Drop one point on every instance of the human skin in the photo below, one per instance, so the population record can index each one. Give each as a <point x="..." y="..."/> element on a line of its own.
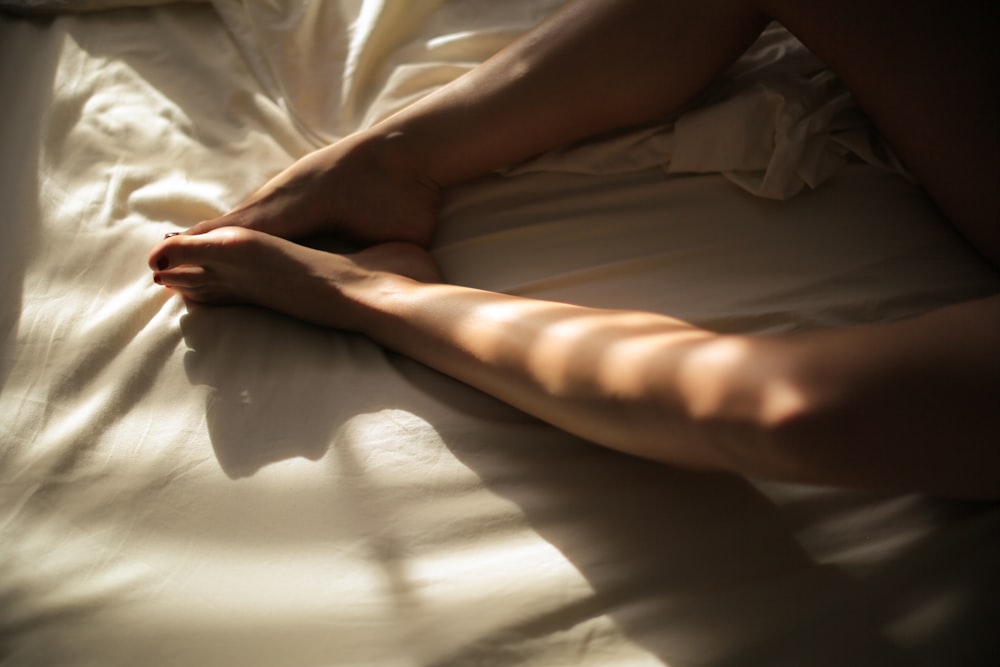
<point x="911" y="405"/>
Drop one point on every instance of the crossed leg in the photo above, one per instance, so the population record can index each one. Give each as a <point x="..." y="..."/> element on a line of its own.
<point x="924" y="71"/>
<point x="232" y="265"/>
<point x="928" y="75"/>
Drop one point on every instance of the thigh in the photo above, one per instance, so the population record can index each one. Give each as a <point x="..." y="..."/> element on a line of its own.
<point x="927" y="75"/>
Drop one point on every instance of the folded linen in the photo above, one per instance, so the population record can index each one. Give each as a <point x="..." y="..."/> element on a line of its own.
<point x="776" y="123"/>
<point x="61" y="6"/>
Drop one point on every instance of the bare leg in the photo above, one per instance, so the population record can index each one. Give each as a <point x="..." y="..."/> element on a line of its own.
<point x="907" y="405"/>
<point x="925" y="71"/>
<point x="362" y="188"/>
<point x="232" y="265"/>
<point x="593" y="66"/>
<point x="928" y="74"/>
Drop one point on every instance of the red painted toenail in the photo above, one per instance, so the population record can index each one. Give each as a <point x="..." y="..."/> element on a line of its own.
<point x="156" y="279"/>
<point x="169" y="234"/>
<point x="162" y="263"/>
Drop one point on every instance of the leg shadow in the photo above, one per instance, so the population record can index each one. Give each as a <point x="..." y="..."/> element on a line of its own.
<point x="696" y="568"/>
<point x="268" y="400"/>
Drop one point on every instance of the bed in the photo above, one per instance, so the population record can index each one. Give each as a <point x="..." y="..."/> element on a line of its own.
<point x="184" y="485"/>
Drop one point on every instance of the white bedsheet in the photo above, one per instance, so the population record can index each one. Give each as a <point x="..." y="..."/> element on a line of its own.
<point x="230" y="487"/>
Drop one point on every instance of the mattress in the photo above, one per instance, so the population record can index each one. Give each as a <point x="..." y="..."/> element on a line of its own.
<point x="187" y="485"/>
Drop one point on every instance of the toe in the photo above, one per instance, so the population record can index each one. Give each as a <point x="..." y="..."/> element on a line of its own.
<point x="197" y="249"/>
<point x="166" y="254"/>
<point x="182" y="276"/>
<point x="157" y="259"/>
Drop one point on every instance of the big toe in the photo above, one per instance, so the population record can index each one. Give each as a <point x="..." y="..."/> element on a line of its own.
<point x="194" y="248"/>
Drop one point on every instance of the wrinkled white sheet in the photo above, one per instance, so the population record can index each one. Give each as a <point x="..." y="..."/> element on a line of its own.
<point x="230" y="487"/>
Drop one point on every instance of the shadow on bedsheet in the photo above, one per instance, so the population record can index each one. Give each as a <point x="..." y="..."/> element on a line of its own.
<point x="21" y="126"/>
<point x="267" y="401"/>
<point x="706" y="569"/>
<point x="695" y="568"/>
<point x="689" y="566"/>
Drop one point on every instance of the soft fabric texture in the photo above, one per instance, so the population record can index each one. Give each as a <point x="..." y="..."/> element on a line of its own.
<point x="62" y="6"/>
<point x="199" y="486"/>
<point x="775" y="123"/>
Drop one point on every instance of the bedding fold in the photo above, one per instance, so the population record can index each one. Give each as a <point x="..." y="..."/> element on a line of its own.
<point x="226" y="486"/>
<point x="776" y="123"/>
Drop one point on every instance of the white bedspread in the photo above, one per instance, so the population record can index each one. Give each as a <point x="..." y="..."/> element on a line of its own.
<point x="230" y="487"/>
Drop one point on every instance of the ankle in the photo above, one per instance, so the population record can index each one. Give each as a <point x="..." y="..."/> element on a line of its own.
<point x="396" y="153"/>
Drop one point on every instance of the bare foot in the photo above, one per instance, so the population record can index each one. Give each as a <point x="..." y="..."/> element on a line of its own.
<point x="361" y="188"/>
<point x="238" y="265"/>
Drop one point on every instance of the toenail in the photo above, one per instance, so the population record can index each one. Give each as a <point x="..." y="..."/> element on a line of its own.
<point x="162" y="263"/>
<point x="156" y="279"/>
<point x="169" y="234"/>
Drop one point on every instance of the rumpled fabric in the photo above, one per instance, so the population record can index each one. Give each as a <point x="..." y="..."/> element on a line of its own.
<point x="184" y="485"/>
<point x="81" y="6"/>
<point x="776" y="122"/>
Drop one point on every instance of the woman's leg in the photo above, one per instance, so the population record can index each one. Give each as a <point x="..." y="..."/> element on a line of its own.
<point x="593" y="66"/>
<point x="906" y="405"/>
<point x="928" y="74"/>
